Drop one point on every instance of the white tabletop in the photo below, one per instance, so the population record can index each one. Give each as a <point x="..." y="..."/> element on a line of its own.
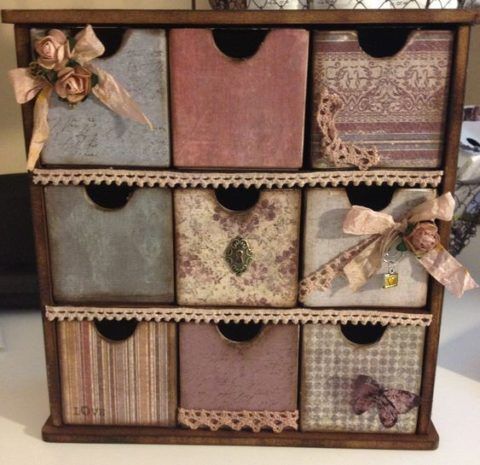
<point x="456" y="414"/>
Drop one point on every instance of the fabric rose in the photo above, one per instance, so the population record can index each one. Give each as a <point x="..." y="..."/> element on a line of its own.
<point x="73" y="84"/>
<point x="423" y="238"/>
<point x="52" y="49"/>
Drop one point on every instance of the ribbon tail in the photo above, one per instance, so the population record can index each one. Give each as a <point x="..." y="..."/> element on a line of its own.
<point x="115" y="97"/>
<point x="25" y="86"/>
<point x="448" y="271"/>
<point x="40" y="127"/>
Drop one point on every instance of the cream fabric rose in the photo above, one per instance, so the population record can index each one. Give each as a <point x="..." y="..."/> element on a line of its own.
<point x="423" y="238"/>
<point x="73" y="84"/>
<point x="52" y="49"/>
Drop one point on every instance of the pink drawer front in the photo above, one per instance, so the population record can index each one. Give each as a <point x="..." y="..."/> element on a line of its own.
<point x="238" y="113"/>
<point x="218" y="373"/>
<point x="396" y="104"/>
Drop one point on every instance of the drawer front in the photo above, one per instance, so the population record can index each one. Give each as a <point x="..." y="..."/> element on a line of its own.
<point x="91" y="134"/>
<point x="259" y="374"/>
<point x="120" y="254"/>
<point x="205" y="231"/>
<point x="251" y="5"/>
<point x="396" y="104"/>
<point x="118" y="382"/>
<point x="231" y="113"/>
<point x="324" y="240"/>
<point x="332" y="363"/>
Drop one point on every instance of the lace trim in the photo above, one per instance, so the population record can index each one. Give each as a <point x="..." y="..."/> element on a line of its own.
<point x="237" y="315"/>
<point x="245" y="419"/>
<point x="235" y="179"/>
<point x="339" y="153"/>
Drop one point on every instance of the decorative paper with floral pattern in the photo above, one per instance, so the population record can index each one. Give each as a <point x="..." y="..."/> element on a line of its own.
<point x="204" y="229"/>
<point x="396" y="104"/>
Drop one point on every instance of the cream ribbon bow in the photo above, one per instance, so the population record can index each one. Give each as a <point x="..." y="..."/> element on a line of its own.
<point x="27" y="85"/>
<point x="362" y="261"/>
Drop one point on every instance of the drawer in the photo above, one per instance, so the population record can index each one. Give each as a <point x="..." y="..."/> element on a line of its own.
<point x="237" y="367"/>
<point x="110" y="243"/>
<point x="118" y="372"/>
<point x="237" y="246"/>
<point x="335" y="357"/>
<point x="324" y="240"/>
<point x="91" y="134"/>
<point x="238" y="97"/>
<point x="393" y="94"/>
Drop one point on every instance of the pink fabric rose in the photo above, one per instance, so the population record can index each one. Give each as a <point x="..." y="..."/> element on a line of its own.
<point x="52" y="49"/>
<point x="73" y="84"/>
<point x="423" y="238"/>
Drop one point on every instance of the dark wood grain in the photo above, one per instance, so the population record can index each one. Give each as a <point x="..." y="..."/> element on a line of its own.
<point x="452" y="136"/>
<point x="150" y="435"/>
<point x="205" y="18"/>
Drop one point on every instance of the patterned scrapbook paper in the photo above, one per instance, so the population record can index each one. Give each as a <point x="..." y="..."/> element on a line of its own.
<point x="397" y="104"/>
<point x="130" y="382"/>
<point x="331" y="364"/>
<point x="204" y="230"/>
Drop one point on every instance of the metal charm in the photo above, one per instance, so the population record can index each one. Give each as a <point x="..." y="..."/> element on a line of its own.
<point x="238" y="255"/>
<point x="390" y="279"/>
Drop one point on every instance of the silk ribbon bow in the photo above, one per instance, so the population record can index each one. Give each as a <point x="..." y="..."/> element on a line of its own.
<point x="27" y="84"/>
<point x="390" y="403"/>
<point x="362" y="261"/>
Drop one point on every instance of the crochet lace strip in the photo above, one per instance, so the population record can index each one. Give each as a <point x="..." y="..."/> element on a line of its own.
<point x="168" y="178"/>
<point x="238" y="420"/>
<point x="339" y="153"/>
<point x="237" y="315"/>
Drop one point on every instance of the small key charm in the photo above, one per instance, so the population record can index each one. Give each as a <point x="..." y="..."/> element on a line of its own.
<point x="390" y="278"/>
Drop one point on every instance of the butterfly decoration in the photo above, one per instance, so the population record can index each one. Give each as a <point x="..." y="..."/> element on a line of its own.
<point x="390" y="403"/>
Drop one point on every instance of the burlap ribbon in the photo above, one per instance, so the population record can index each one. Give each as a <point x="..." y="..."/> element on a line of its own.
<point x="418" y="232"/>
<point x="27" y="84"/>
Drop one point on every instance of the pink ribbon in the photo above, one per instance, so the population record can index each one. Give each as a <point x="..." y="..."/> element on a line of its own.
<point x="362" y="261"/>
<point x="28" y="84"/>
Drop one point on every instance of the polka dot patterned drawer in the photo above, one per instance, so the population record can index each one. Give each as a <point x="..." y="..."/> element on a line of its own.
<point x="385" y="90"/>
<point x="118" y="372"/>
<point x="361" y="378"/>
<point x="238" y="97"/>
<point x="237" y="368"/>
<point x="237" y="247"/>
<point x="91" y="134"/>
<point x="110" y="243"/>
<point x="324" y="240"/>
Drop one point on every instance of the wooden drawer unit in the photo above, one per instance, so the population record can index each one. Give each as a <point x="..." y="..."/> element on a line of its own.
<point x="118" y="372"/>
<point x="210" y="238"/>
<point x="119" y="249"/>
<point x="335" y="357"/>
<point x="229" y="112"/>
<point x="92" y="134"/>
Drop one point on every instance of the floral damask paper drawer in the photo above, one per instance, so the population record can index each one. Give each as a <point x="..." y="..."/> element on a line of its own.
<point x="110" y="243"/>
<point x="92" y="134"/>
<point x="241" y="376"/>
<point x="118" y="372"/>
<point x="361" y="378"/>
<point x="387" y="111"/>
<point x="245" y="258"/>
<point x="325" y="240"/>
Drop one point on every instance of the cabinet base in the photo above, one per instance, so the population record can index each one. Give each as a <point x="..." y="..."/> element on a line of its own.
<point x="152" y="435"/>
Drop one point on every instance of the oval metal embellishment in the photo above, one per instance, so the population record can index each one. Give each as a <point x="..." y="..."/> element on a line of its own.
<point x="238" y="255"/>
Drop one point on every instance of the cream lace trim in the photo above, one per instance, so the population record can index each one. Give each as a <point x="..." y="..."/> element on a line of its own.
<point x="238" y="420"/>
<point x="235" y="179"/>
<point x="236" y="315"/>
<point x="339" y="153"/>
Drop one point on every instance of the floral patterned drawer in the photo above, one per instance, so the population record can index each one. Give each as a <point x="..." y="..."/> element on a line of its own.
<point x="232" y="113"/>
<point x="118" y="372"/>
<point x="92" y="134"/>
<point x="239" y="375"/>
<point x="393" y="104"/>
<point x="361" y="378"/>
<point x="110" y="243"/>
<point x="324" y="240"/>
<point x="209" y="238"/>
